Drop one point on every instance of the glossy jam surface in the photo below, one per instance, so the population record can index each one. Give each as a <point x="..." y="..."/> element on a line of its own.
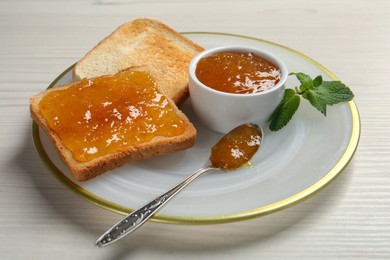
<point x="237" y="147"/>
<point x="104" y="115"/>
<point x="237" y="72"/>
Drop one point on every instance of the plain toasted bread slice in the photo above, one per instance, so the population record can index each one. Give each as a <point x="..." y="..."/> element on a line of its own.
<point x="149" y="43"/>
<point x="85" y="170"/>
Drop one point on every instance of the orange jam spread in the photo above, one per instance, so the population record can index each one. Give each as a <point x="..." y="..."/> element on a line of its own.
<point x="237" y="72"/>
<point x="104" y="115"/>
<point x="237" y="147"/>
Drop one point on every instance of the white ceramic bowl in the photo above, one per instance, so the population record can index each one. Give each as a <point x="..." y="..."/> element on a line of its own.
<point x="222" y="111"/>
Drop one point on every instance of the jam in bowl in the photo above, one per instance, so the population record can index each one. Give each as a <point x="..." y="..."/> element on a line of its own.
<point x="230" y="86"/>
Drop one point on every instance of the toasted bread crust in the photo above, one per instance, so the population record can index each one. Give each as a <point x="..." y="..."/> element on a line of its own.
<point x="163" y="52"/>
<point x="83" y="171"/>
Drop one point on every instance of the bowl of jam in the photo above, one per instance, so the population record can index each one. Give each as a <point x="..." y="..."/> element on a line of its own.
<point x="234" y="85"/>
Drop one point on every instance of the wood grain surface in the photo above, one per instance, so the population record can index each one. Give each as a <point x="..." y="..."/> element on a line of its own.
<point x="350" y="219"/>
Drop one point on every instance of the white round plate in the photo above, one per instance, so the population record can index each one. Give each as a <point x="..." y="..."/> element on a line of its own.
<point x="293" y="163"/>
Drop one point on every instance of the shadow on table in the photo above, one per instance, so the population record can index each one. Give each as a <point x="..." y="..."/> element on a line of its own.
<point x="176" y="238"/>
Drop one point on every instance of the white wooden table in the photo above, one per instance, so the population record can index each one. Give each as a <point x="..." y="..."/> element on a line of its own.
<point x="350" y="219"/>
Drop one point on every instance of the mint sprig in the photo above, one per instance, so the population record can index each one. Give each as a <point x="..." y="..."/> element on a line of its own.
<point x="318" y="92"/>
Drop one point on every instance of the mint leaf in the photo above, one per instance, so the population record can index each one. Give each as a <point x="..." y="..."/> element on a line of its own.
<point x="317" y="81"/>
<point x="315" y="100"/>
<point x="338" y="91"/>
<point x="328" y="93"/>
<point x="305" y="80"/>
<point x="285" y="110"/>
